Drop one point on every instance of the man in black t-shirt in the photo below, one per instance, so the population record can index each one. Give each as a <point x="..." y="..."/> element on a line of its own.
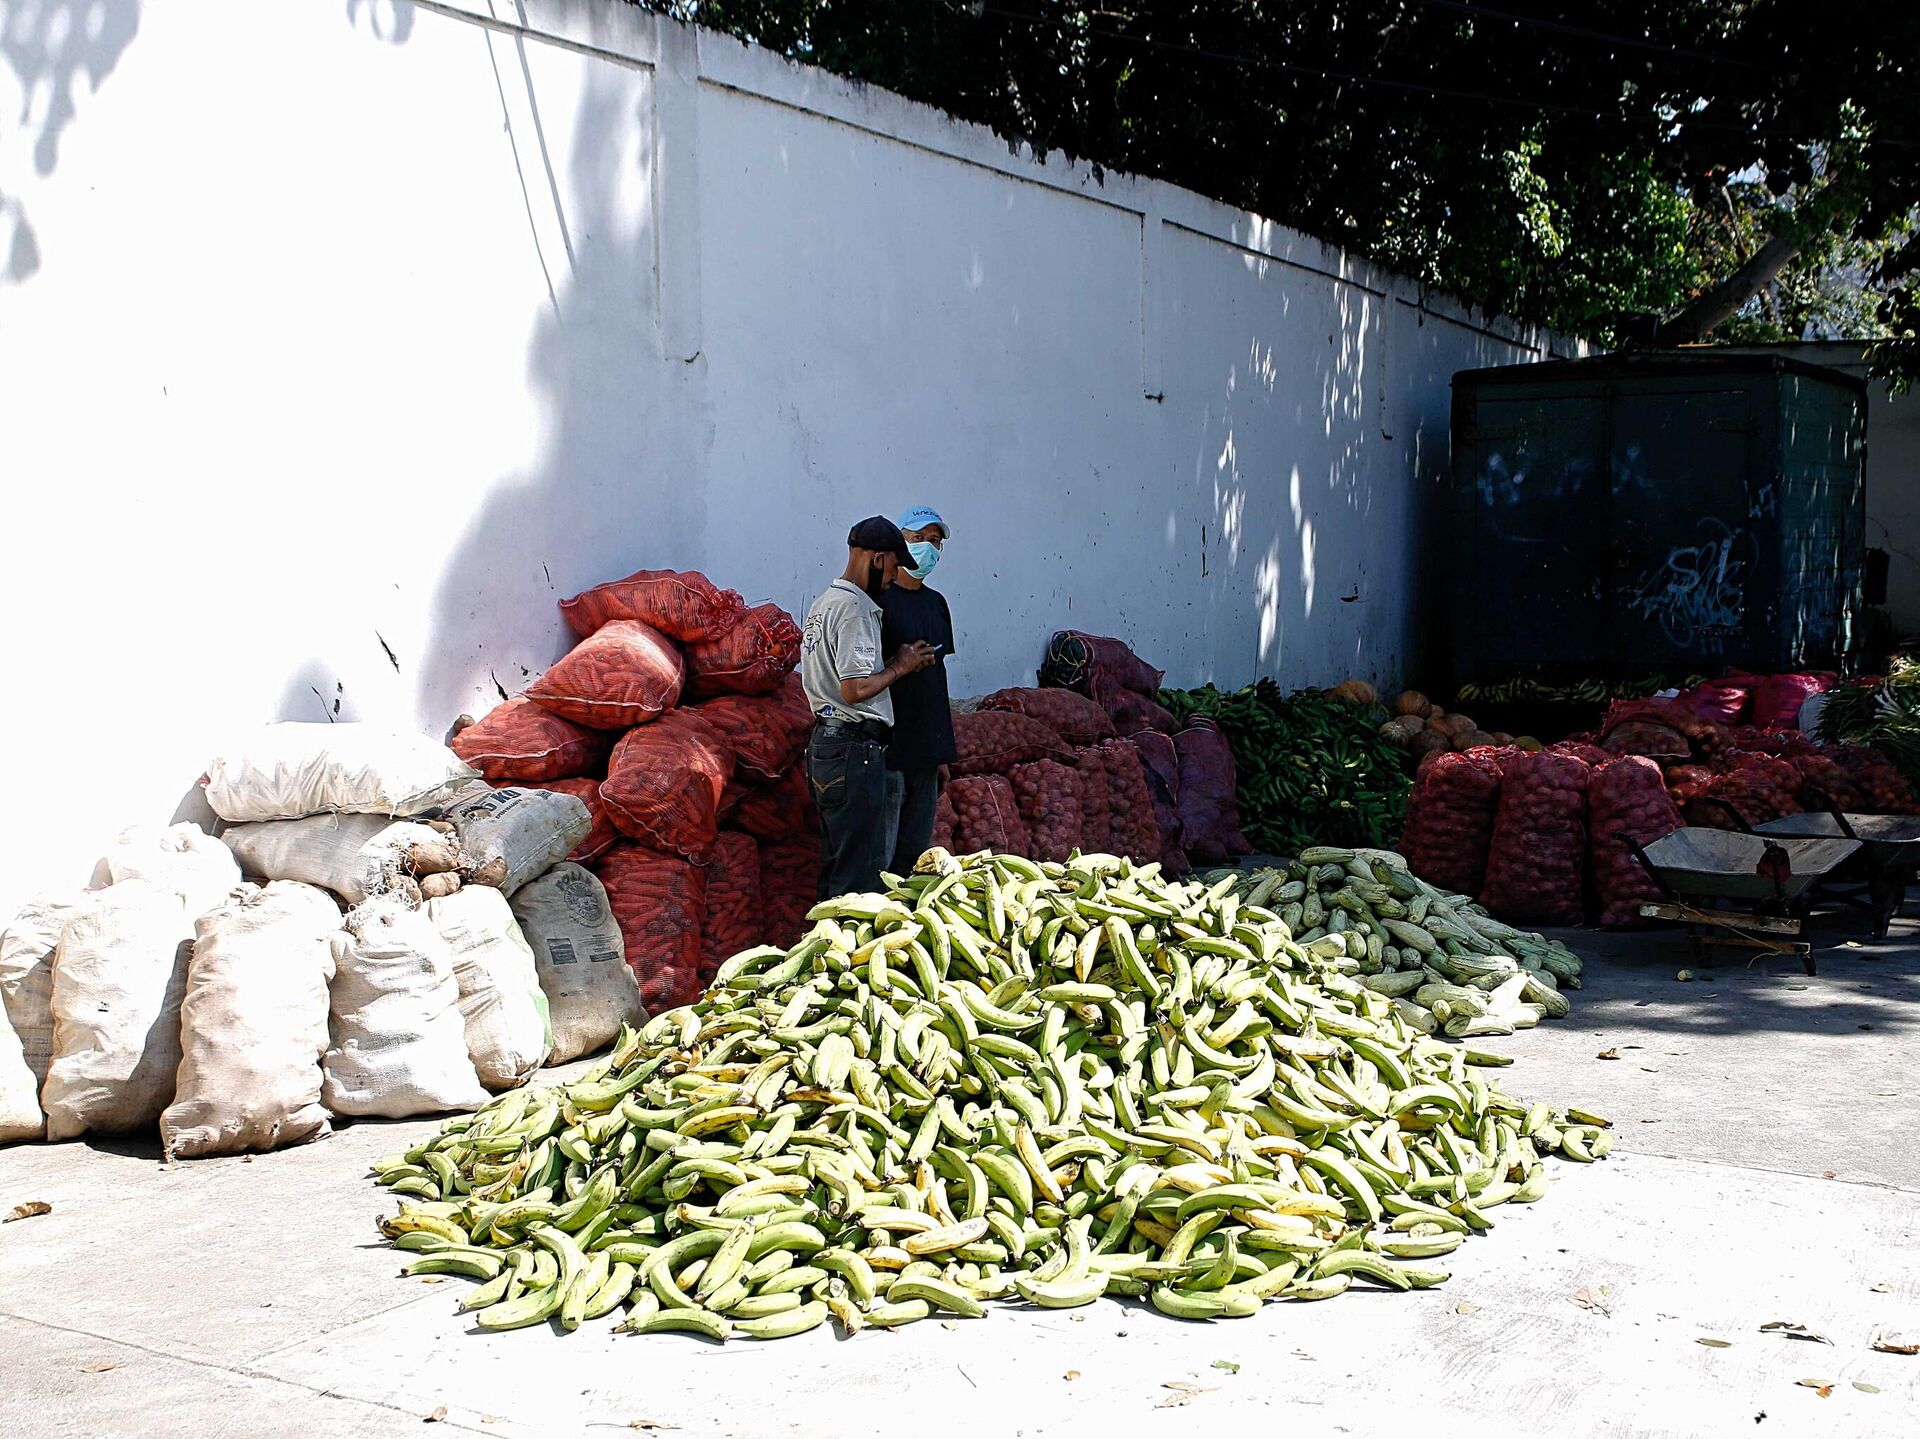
<point x="922" y="722"/>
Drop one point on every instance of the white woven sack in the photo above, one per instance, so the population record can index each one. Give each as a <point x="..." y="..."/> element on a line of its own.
<point x="397" y="1044"/>
<point x="532" y="830"/>
<point x="253" y="1024"/>
<point x="581" y="959"/>
<point x="117" y="981"/>
<point x="27" y="947"/>
<point x="20" y="1116"/>
<point x="180" y="857"/>
<point x="355" y="855"/>
<point x="501" y="1003"/>
<point x="289" y="771"/>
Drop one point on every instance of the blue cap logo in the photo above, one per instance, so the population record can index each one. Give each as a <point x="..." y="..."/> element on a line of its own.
<point x="922" y="516"/>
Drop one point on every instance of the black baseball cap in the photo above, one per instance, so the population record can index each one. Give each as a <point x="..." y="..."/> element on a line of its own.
<point x="879" y="534"/>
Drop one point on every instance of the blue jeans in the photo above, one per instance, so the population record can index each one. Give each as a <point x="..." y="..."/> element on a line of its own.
<point x="848" y="776"/>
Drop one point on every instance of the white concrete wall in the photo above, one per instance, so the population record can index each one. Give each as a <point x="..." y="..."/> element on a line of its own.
<point x="329" y="330"/>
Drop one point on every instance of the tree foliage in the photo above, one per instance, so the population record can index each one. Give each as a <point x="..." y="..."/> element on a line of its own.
<point x="1571" y="161"/>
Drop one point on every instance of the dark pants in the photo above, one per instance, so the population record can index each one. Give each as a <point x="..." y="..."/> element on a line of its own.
<point x="849" y="777"/>
<point x="915" y="792"/>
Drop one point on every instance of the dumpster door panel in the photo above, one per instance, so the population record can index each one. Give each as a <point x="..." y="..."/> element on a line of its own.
<point x="1534" y="511"/>
<point x="1682" y="568"/>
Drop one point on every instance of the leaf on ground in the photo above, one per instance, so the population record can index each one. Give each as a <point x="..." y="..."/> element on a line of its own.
<point x="1794" y="1331"/>
<point x="433" y="1279"/>
<point x="1183" y="1393"/>
<point x="33" y="1208"/>
<point x="1866" y="1388"/>
<point x="1829" y="1174"/>
<point x="1894" y="1344"/>
<point x="1226" y="1364"/>
<point x="650" y="1424"/>
<point x="1071" y="1374"/>
<point x="1608" y="1054"/>
<point x="1881" y="1288"/>
<point x="1466" y="1309"/>
<point x="1715" y="1343"/>
<point x="1599" y="1299"/>
<point x="1822" y="1387"/>
<point x="439" y="1413"/>
<point x="99" y="1368"/>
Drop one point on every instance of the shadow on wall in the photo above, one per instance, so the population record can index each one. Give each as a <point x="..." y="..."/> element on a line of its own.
<point x="53" y="48"/>
<point x="616" y="488"/>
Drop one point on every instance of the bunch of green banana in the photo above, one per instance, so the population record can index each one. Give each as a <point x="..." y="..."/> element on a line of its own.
<point x="1586" y="691"/>
<point x="1307" y="766"/>
<point x="997" y="1080"/>
<point x="1447" y="965"/>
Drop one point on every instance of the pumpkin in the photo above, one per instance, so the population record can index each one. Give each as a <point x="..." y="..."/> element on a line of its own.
<point x="1412" y="702"/>
<point x="1430" y="741"/>
<point x="1357" y="691"/>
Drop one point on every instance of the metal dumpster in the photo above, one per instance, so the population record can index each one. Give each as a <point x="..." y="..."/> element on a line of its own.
<point x="1655" y="512"/>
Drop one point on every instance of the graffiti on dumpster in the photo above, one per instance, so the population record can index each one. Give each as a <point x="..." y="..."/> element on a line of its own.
<point x="1697" y="595"/>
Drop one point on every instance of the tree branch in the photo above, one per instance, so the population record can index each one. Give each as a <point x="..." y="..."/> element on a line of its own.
<point x="1715" y="306"/>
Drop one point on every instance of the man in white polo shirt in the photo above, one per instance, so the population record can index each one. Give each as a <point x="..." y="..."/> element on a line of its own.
<point x="846" y="687"/>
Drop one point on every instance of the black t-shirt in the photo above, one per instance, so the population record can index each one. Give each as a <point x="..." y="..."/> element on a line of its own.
<point x="922" y="722"/>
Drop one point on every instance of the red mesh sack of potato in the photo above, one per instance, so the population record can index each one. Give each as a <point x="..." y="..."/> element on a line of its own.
<point x="1450" y="819"/>
<point x="994" y="741"/>
<point x="1160" y="762"/>
<point x="685" y="606"/>
<point x="1721" y="701"/>
<point x="1048" y="795"/>
<point x="789" y="887"/>
<point x="664" y="784"/>
<point x="986" y="815"/>
<point x="1133" y="712"/>
<point x="623" y="674"/>
<point x="1096" y="821"/>
<point x="944" y="824"/>
<point x="1207" y="803"/>
<point x="749" y="659"/>
<point x="1074" y="717"/>
<point x="657" y="901"/>
<point x="1882" y="788"/>
<point x="520" y="740"/>
<point x="732" y="920"/>
<point x="1536" y="861"/>
<point x="780" y="810"/>
<point x="1133" y="825"/>
<point x="1590" y="754"/>
<point x="1758" y="787"/>
<point x="1627" y="799"/>
<point x="768" y="732"/>
<point x="602" y="837"/>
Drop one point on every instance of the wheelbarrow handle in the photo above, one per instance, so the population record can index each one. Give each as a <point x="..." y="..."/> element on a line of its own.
<point x="1653" y="872"/>
<point x="1828" y="803"/>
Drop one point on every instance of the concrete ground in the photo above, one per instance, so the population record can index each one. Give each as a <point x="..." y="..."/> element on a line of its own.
<point x="1765" y="1171"/>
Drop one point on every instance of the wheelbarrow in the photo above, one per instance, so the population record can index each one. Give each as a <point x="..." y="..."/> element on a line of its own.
<point x="1876" y="879"/>
<point x="1738" y="888"/>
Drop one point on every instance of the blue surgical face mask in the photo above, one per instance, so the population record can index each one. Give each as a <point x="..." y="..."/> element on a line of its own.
<point x="926" y="554"/>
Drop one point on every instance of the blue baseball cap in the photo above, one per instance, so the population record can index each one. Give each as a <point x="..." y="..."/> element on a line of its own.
<point x="922" y="516"/>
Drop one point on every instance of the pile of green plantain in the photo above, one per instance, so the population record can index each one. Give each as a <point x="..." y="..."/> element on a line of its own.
<point x="1447" y="965"/>
<point x="998" y="1080"/>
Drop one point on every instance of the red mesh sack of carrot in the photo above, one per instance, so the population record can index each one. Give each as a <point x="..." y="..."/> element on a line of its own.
<point x="1627" y="799"/>
<point x="733" y="920"/>
<point x="625" y="673"/>
<point x="768" y="732"/>
<point x="1074" y="717"/>
<point x="749" y="659"/>
<point x="658" y="900"/>
<point x="1048" y="795"/>
<point x="780" y="810"/>
<point x="1450" y="819"/>
<point x="520" y="740"/>
<point x="1536" y="862"/>
<point x="994" y="741"/>
<point x="789" y="887"/>
<point x="685" y="605"/>
<point x="664" y="783"/>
